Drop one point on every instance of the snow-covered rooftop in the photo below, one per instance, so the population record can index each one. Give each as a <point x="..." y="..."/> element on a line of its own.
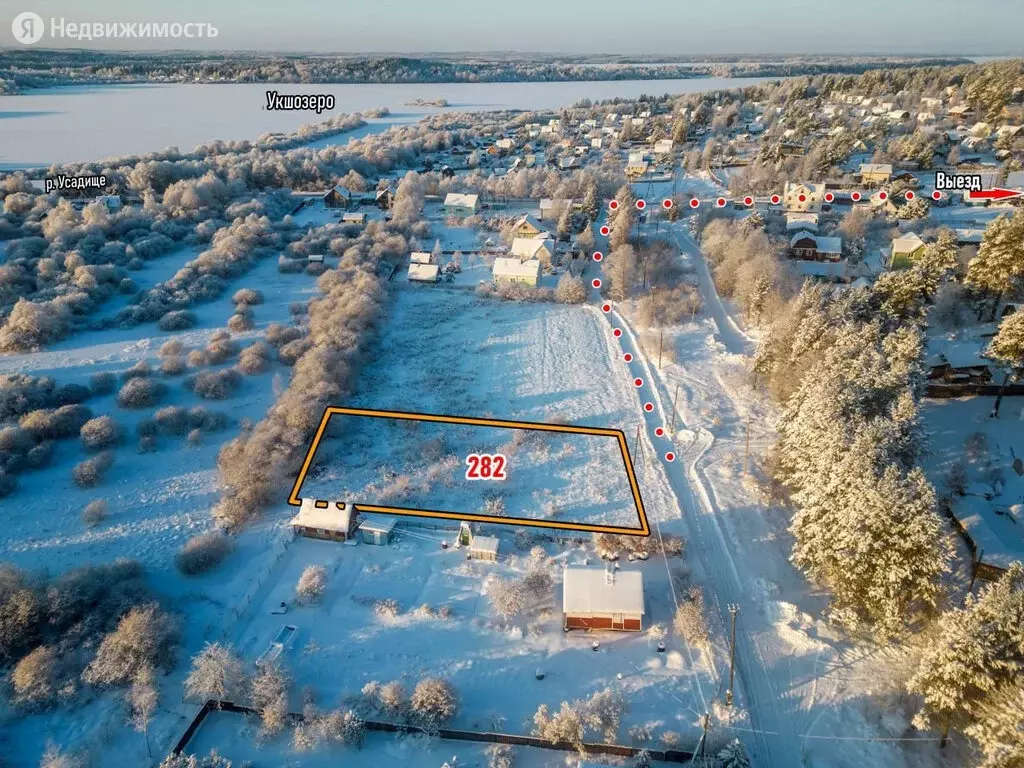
<point x="506" y="266"/>
<point x="588" y="590"/>
<point x="329" y="515"/>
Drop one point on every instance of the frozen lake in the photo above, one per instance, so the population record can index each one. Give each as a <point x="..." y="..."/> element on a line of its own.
<point x="81" y="123"/>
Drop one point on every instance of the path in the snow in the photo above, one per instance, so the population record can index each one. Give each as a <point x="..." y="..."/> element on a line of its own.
<point x="755" y="689"/>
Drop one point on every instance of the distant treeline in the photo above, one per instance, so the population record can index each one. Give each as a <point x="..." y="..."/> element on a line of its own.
<point x="28" y="69"/>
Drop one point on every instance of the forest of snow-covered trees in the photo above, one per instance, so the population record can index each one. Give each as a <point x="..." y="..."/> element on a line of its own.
<point x="26" y="69"/>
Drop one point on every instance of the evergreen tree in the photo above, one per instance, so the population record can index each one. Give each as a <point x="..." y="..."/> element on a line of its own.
<point x="999" y="266"/>
<point x="978" y="651"/>
<point x="1008" y="344"/>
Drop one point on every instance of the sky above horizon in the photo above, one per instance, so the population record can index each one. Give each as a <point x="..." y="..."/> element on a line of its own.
<point x="980" y="27"/>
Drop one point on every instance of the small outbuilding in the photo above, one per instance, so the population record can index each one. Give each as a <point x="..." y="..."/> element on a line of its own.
<point x="320" y="519"/>
<point x="484" y="548"/>
<point x="377" y="530"/>
<point x="599" y="598"/>
<point x="480" y="547"/>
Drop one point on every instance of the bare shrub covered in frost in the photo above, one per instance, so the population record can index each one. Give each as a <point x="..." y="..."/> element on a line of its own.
<point x="89" y="473"/>
<point x="216" y="673"/>
<point x="95" y="512"/>
<point x="202" y="553"/>
<point x="507" y="596"/>
<point x="690" y="620"/>
<point x="101" y="432"/>
<point x="269" y="693"/>
<point x="434" y="701"/>
<point x="145" y="636"/>
<point x="312" y="583"/>
<point x="140" y="393"/>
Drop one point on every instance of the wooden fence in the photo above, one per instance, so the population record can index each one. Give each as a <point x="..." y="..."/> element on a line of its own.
<point x="942" y="391"/>
<point x="485" y="737"/>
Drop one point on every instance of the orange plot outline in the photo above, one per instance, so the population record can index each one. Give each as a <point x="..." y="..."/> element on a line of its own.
<point x="644" y="530"/>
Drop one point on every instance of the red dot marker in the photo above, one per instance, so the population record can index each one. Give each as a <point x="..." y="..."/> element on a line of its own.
<point x="617" y="332"/>
<point x="604" y="231"/>
<point x="775" y="199"/>
<point x="614" y="204"/>
<point x="648" y="407"/>
<point x="855" y="196"/>
<point x="694" y="203"/>
<point x="748" y="200"/>
<point x="598" y="255"/>
<point x="802" y="198"/>
<point x="829" y="197"/>
<point x="627" y="357"/>
<point x="666" y="203"/>
<point x="641" y="204"/>
<point x="936" y="195"/>
<point x="606" y="307"/>
<point x="638" y="382"/>
<point x="659" y="431"/>
<point x="670" y="456"/>
<point x="909" y="195"/>
<point x="720" y="202"/>
<point x="883" y="195"/>
<point x="596" y="282"/>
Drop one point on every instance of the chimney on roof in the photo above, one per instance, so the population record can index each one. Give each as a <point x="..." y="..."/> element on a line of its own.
<point x="609" y="576"/>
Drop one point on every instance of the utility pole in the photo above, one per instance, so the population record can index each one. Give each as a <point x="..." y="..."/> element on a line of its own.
<point x="636" y="440"/>
<point x="733" y="610"/>
<point x="661" y="339"/>
<point x="705" y="722"/>
<point x="674" y="398"/>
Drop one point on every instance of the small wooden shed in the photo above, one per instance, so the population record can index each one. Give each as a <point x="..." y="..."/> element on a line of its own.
<point x="377" y="530"/>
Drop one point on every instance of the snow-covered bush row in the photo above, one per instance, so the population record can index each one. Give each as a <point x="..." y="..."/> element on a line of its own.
<point x="255" y="465"/>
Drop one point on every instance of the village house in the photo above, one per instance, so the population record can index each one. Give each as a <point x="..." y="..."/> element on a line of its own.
<point x="540" y="248"/>
<point x="459" y="204"/>
<point x="960" y="363"/>
<point x="664" y="147"/>
<point x="527" y="226"/>
<point x="904" y="250"/>
<point x="353" y="218"/>
<point x="810" y="247"/>
<point x="385" y="199"/>
<point x="319" y="519"/>
<point x="795" y="221"/>
<point x="803" y="197"/>
<point x="875" y="174"/>
<point x="510" y="269"/>
<point x="337" y="197"/>
<point x="599" y="598"/>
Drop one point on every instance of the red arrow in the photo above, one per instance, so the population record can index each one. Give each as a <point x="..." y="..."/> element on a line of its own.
<point x="993" y="194"/>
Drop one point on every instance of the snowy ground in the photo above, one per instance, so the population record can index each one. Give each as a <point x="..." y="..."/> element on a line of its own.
<point x="993" y="507"/>
<point x="422" y="465"/>
<point x="341" y="643"/>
